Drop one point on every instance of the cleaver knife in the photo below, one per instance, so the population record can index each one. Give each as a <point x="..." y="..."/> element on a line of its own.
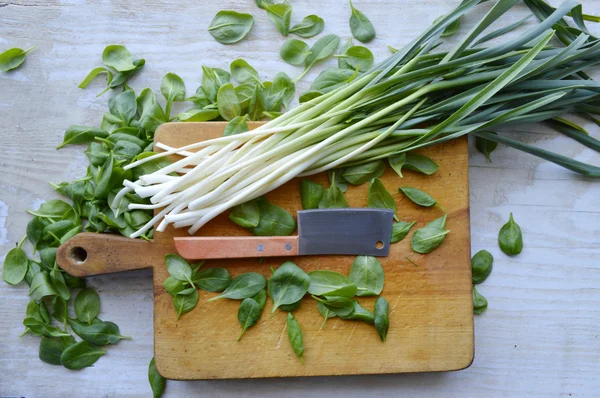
<point x="322" y="231"/>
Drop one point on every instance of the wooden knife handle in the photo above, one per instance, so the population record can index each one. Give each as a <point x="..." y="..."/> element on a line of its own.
<point x="200" y="248"/>
<point x="93" y="254"/>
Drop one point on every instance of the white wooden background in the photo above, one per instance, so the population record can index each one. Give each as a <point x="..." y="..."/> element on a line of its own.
<point x="540" y="335"/>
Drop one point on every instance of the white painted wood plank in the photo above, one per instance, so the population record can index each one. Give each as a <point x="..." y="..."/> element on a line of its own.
<point x="539" y="336"/>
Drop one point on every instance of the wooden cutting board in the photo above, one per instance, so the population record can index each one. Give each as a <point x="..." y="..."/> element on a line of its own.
<point x="431" y="313"/>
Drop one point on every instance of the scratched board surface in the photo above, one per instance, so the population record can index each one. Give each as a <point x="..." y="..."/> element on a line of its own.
<point x="431" y="320"/>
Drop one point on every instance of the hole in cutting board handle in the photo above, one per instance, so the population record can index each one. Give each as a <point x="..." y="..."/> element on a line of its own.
<point x="79" y="254"/>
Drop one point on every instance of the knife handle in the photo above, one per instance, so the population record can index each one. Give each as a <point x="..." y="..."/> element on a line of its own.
<point x="200" y="248"/>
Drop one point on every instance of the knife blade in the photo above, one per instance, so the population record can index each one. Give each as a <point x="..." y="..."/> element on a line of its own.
<point x="320" y="231"/>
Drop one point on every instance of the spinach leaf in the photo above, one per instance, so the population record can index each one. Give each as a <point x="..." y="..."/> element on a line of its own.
<point x="310" y="194"/>
<point x="288" y="284"/>
<point x="243" y="286"/>
<point x="81" y="135"/>
<point x="80" y="355"/>
<point x="310" y="26"/>
<point x="227" y="102"/>
<point x="242" y="72"/>
<point x="212" y="80"/>
<point x="40" y="327"/>
<point x="360" y="314"/>
<point x="333" y="197"/>
<point x="430" y="237"/>
<point x="35" y="233"/>
<point x="417" y="196"/>
<point x="212" y="279"/>
<point x="421" y="164"/>
<point x="382" y="320"/>
<point x="510" y="238"/>
<point x="362" y="29"/>
<point x="12" y="58"/>
<point x="122" y="77"/>
<point x="185" y="301"/>
<point x="174" y="286"/>
<point x="323" y="48"/>
<point x="172" y="88"/>
<point x="295" y="336"/>
<point x="290" y="307"/>
<point x="58" y="281"/>
<point x="379" y="197"/>
<point x="309" y="95"/>
<point x="178" y="268"/>
<point x="245" y="215"/>
<point x="55" y="210"/>
<point x="256" y="107"/>
<point x="41" y="286"/>
<point x="397" y="162"/>
<point x="274" y="221"/>
<point x="263" y="3"/>
<point x="280" y="14"/>
<point x="51" y="348"/>
<point x="481" y="266"/>
<point x="357" y="175"/>
<point x="95" y="73"/>
<point x="261" y="298"/>
<point x="98" y="333"/>
<point x="331" y="79"/>
<point x="366" y="273"/>
<point x="325" y="312"/>
<point x="356" y="58"/>
<point x="400" y="229"/>
<point x="248" y="314"/>
<point x="228" y="27"/>
<point x="198" y="115"/>
<point x="118" y="58"/>
<point x="341" y="306"/>
<point x="157" y="382"/>
<point x="330" y="283"/>
<point x="336" y="175"/>
<point x="485" y="146"/>
<point x="15" y="266"/>
<point x="294" y="51"/>
<point x="280" y="92"/>
<point x="60" y="310"/>
<point x="87" y="305"/>
<point x="479" y="302"/>
<point x="32" y="270"/>
<point x="199" y="98"/>
<point x="244" y="93"/>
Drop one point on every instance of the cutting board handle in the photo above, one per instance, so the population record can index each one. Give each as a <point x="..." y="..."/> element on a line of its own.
<point x="202" y="247"/>
<point x="94" y="254"/>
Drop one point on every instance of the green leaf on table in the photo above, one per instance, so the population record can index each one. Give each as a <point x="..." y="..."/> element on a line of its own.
<point x="123" y="106"/>
<point x="99" y="333"/>
<point x="382" y="320"/>
<point x="295" y="336"/>
<point x="80" y="355"/>
<point x="172" y="88"/>
<point x="242" y="72"/>
<point x="361" y="27"/>
<point x="246" y="214"/>
<point x="185" y="301"/>
<point x="261" y="298"/>
<point x="87" y="305"/>
<point x="243" y="286"/>
<point x="280" y="14"/>
<point x="430" y="237"/>
<point x="228" y="102"/>
<point x="288" y="284"/>
<point x="41" y="286"/>
<point x="479" y="302"/>
<point x="51" y="348"/>
<point x="212" y="80"/>
<point x="486" y="146"/>
<point x="237" y="125"/>
<point x="361" y="314"/>
<point x="481" y="266"/>
<point x="400" y="229"/>
<point x="310" y="194"/>
<point x="15" y="266"/>
<point x="178" y="268"/>
<point x="510" y="237"/>
<point x="357" y="175"/>
<point x="310" y="26"/>
<point x="417" y="196"/>
<point x="419" y="163"/>
<point x="322" y="49"/>
<point x="212" y="279"/>
<point x="60" y="310"/>
<point x="81" y="135"/>
<point x="12" y="58"/>
<point x="336" y="175"/>
<point x="118" y="58"/>
<point x="198" y="115"/>
<point x="58" y="281"/>
<point x="95" y="73"/>
<point x="330" y="283"/>
<point x="325" y="312"/>
<point x="122" y="77"/>
<point x="157" y="382"/>
<point x="228" y="27"/>
<point x="366" y="273"/>
<point x="248" y="314"/>
<point x="333" y="197"/>
<point x="379" y="197"/>
<point x="294" y="51"/>
<point x="273" y="221"/>
<point x="356" y="58"/>
<point x="341" y="306"/>
<point x="330" y="79"/>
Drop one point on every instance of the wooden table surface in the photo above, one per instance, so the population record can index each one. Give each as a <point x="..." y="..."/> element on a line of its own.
<point x="539" y="336"/>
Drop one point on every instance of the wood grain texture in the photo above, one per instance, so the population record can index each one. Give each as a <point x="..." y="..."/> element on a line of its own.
<point x="539" y="337"/>
<point x="207" y="247"/>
